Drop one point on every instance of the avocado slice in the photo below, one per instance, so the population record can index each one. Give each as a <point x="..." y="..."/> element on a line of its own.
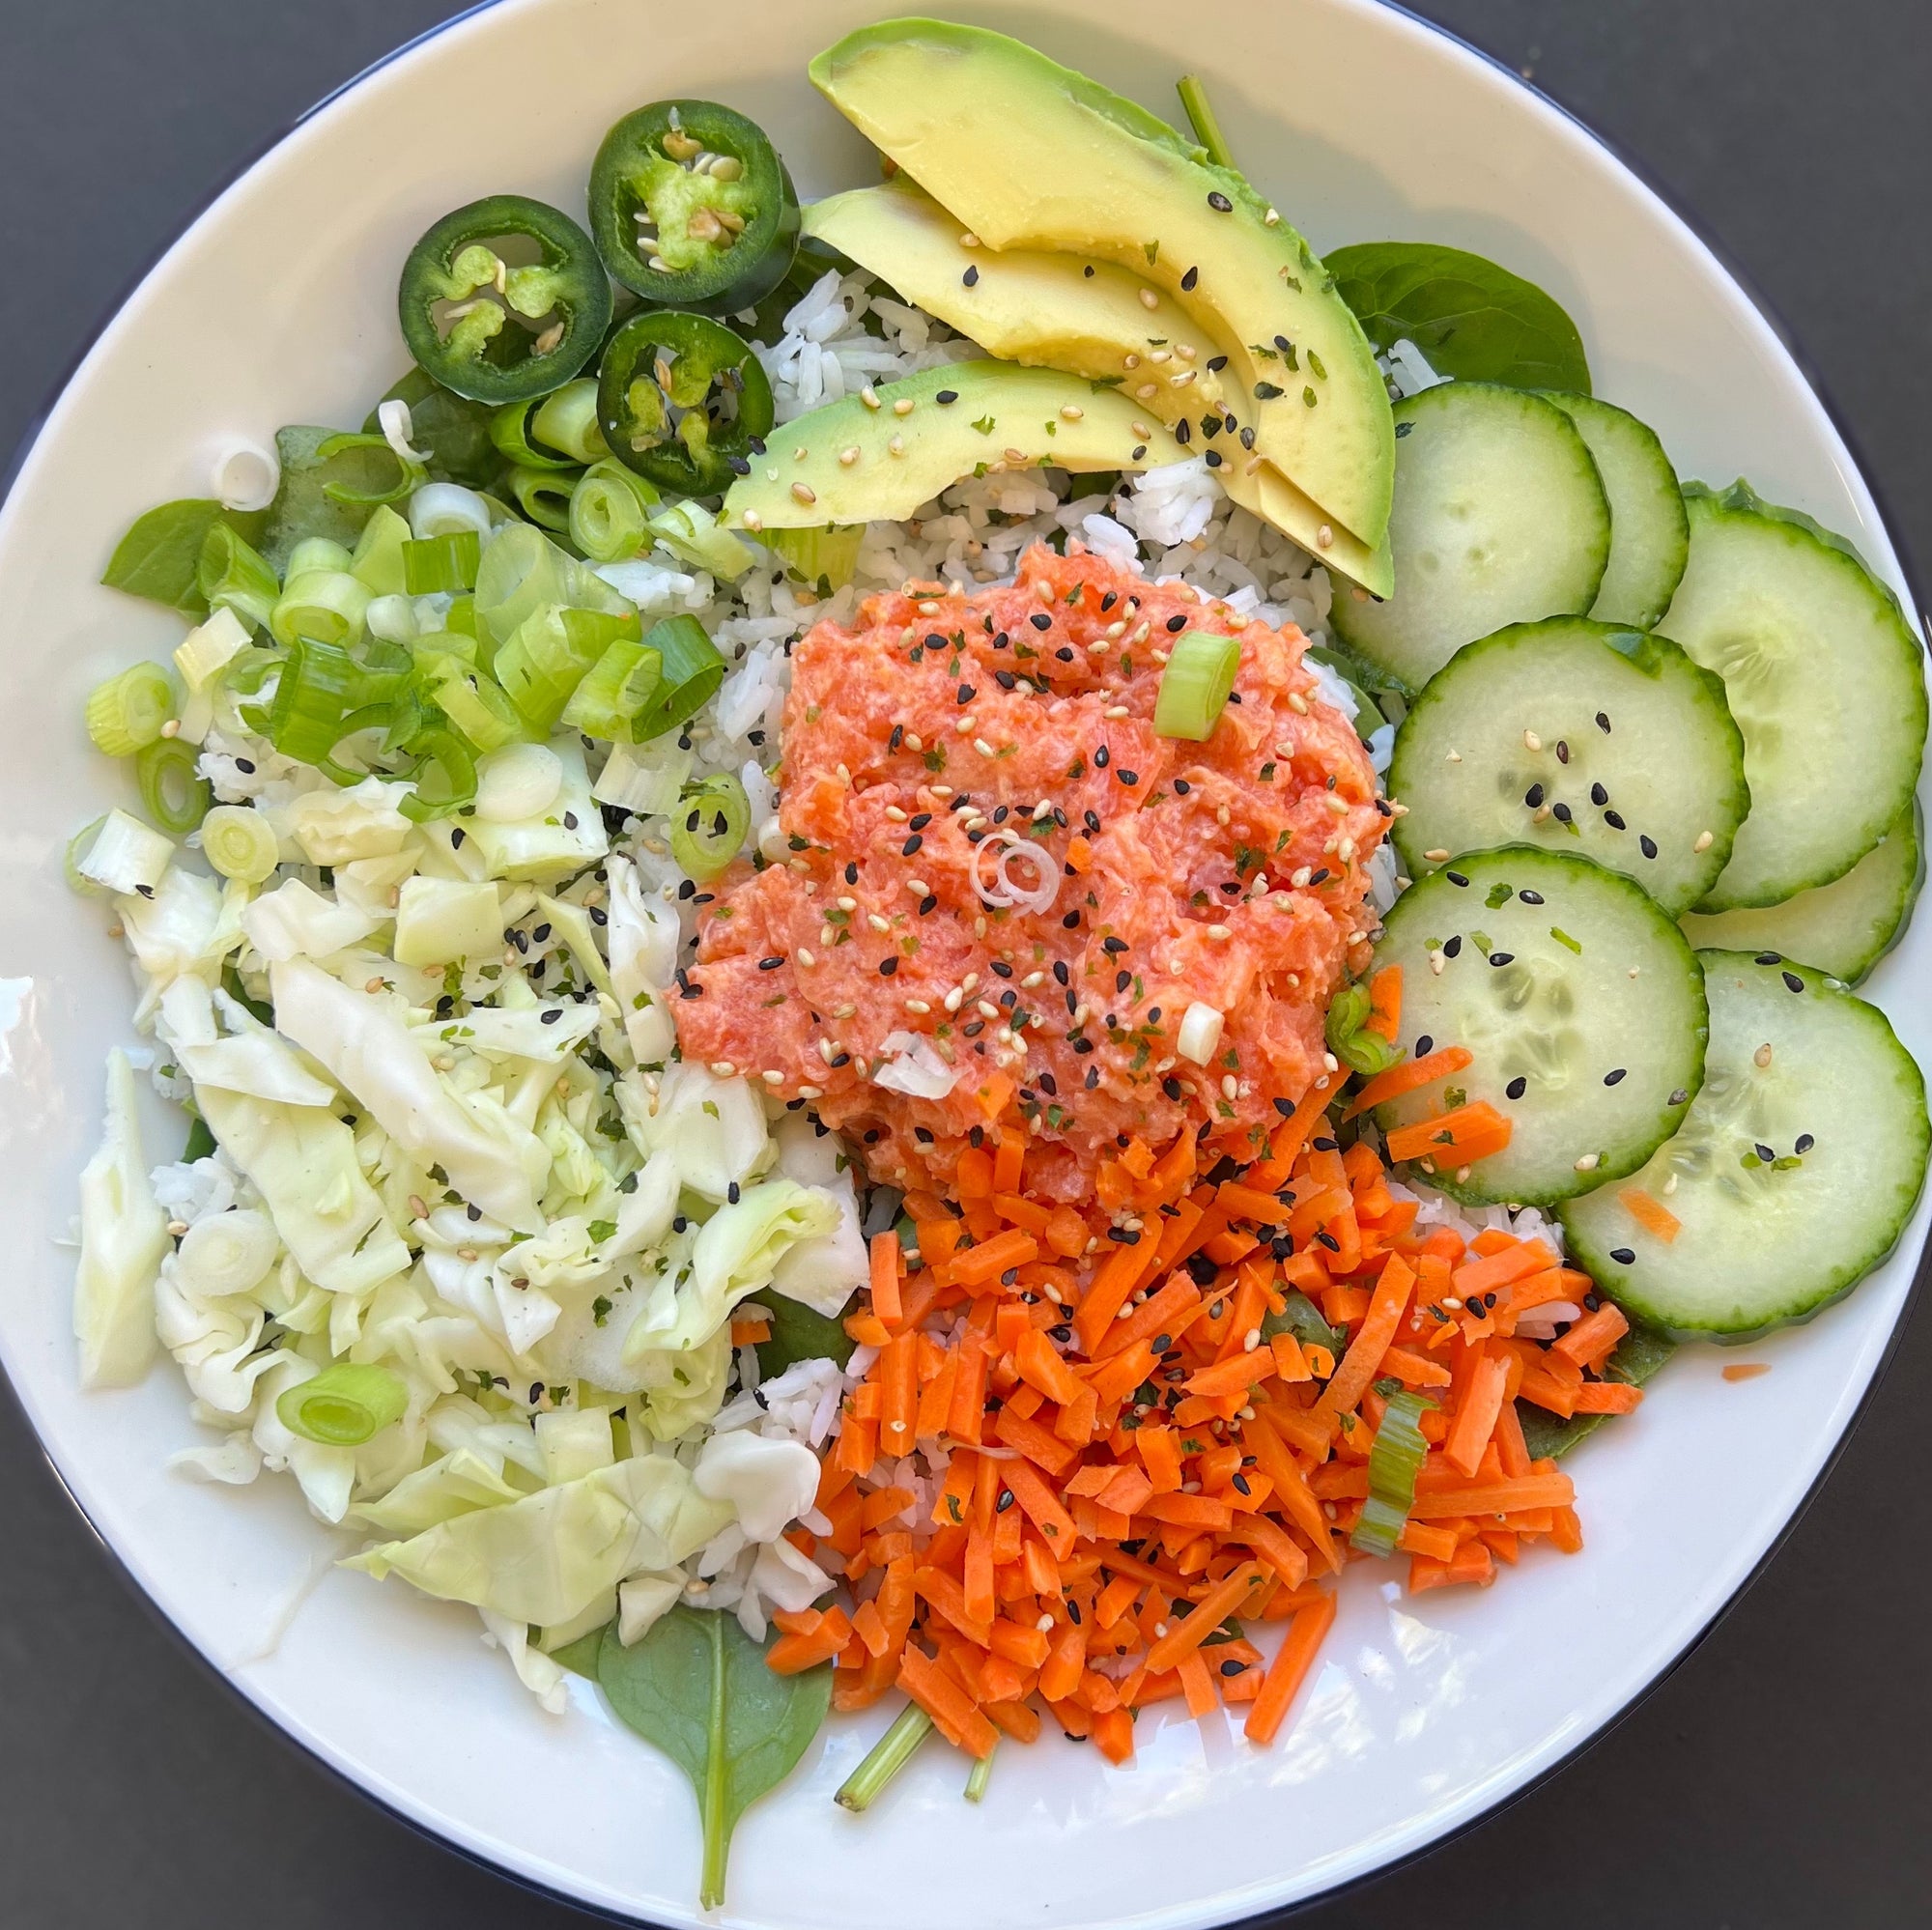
<point x="1091" y="319"/>
<point x="1095" y="175"/>
<point x="860" y="461"/>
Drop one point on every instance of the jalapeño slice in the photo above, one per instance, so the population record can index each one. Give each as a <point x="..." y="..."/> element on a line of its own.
<point x="503" y="300"/>
<point x="683" y="400"/>
<point x="693" y="209"/>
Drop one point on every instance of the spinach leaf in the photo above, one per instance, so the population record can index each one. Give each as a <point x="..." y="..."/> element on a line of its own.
<point x="1471" y="318"/>
<point x="798" y="1333"/>
<point x="579" y="1657"/>
<point x="1638" y="1356"/>
<point x="160" y="557"/>
<point x="303" y="507"/>
<point x="1302" y="1319"/>
<point x="450" y="429"/>
<point x="697" y="1686"/>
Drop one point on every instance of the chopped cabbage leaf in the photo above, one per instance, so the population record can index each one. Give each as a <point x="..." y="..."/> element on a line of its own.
<point x="124" y="1235"/>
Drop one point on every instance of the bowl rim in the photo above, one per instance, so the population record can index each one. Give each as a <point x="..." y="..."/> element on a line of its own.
<point x="1663" y="204"/>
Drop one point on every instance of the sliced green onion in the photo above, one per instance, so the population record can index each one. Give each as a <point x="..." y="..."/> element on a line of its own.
<point x="125" y="714"/>
<point x="448" y="756"/>
<point x="436" y="508"/>
<point x="410" y="475"/>
<point x="344" y="1405"/>
<point x="707" y="829"/>
<point x="1302" y="1317"/>
<point x="325" y="606"/>
<point x="1393" y="1464"/>
<point x="304" y="720"/>
<point x="447" y="563"/>
<point x="981" y="1774"/>
<point x="173" y="791"/>
<point x="511" y="430"/>
<point x="543" y="496"/>
<point x="541" y="666"/>
<point x="378" y="560"/>
<point x="691" y="672"/>
<point x="1201" y="117"/>
<point x="77" y="848"/>
<point x="460" y="619"/>
<point x="826" y="557"/>
<point x="609" y="510"/>
<point x="231" y="575"/>
<point x="124" y="854"/>
<point x="566" y="419"/>
<point x="614" y="691"/>
<point x="1195" y="685"/>
<point x="1348" y="1039"/>
<point x="239" y="842"/>
<point x="522" y="571"/>
<point x="209" y="648"/>
<point x="694" y="535"/>
<point x="392" y="619"/>
<point x="316" y="553"/>
<point x="473" y="702"/>
<point x="885" y="1758"/>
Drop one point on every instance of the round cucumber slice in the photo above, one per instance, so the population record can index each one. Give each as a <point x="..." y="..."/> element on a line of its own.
<point x="1844" y="928"/>
<point x="1608" y="743"/>
<point x="1500" y="518"/>
<point x="1580" y="1001"/>
<point x="1824" y="677"/>
<point x="1650" y="534"/>
<point x="1801" y="1071"/>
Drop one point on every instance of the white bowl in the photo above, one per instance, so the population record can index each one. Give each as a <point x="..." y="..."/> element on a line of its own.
<point x="278" y="305"/>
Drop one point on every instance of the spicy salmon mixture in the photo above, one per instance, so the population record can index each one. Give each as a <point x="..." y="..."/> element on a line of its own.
<point x="1001" y="894"/>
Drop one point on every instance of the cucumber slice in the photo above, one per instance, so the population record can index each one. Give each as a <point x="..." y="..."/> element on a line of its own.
<point x="1824" y="677"/>
<point x="1839" y="1105"/>
<point x="1588" y="1035"/>
<point x="1650" y="534"/>
<point x="1637" y="763"/>
<point x="1844" y="928"/>
<point x="1500" y="518"/>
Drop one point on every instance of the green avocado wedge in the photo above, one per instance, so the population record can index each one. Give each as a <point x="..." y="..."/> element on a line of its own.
<point x="860" y="461"/>
<point x="1091" y="319"/>
<point x="1102" y="178"/>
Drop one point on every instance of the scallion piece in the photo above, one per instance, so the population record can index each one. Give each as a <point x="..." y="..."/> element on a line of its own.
<point x="1201" y="117"/>
<point x="543" y="496"/>
<point x="1195" y="685"/>
<point x="454" y="784"/>
<point x="378" y="560"/>
<point x="445" y="563"/>
<point x="981" y="1774"/>
<point x="512" y="431"/>
<point x="475" y="703"/>
<point x="1394" y="1462"/>
<point x="77" y="848"/>
<point x="694" y="535"/>
<point x="316" y="553"/>
<point x="885" y="1759"/>
<point x="1348" y="1037"/>
<point x="174" y="793"/>
<point x="343" y="1405"/>
<point x="608" y="509"/>
<point x="827" y="557"/>
<point x="566" y="419"/>
<point x="409" y="477"/>
<point x="541" y="666"/>
<point x="325" y="606"/>
<point x="693" y="669"/>
<point x="304" y="720"/>
<point x="522" y="572"/>
<point x="125" y="714"/>
<point x="122" y="855"/>
<point x="708" y="827"/>
<point x="239" y="842"/>
<point x="438" y="507"/>
<point x="231" y="575"/>
<point x="615" y="690"/>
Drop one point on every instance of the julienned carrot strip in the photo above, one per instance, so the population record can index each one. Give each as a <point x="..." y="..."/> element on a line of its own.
<point x="1592" y="1337"/>
<point x="1292" y="1135"/>
<point x="1291" y="1665"/>
<point x="968" y="1391"/>
<point x="897" y="1374"/>
<point x="1195" y="1683"/>
<point x="1401" y="1079"/>
<point x="1493" y="1497"/>
<point x="1245" y="1202"/>
<point x="1420" y="1539"/>
<point x="1385" y="1002"/>
<point x="947" y="1703"/>
<point x="1160" y="1457"/>
<point x="1607" y="1397"/>
<point x="886" y="1266"/>
<point x="1453" y="1136"/>
<point x="1496" y="1269"/>
<point x="1114" y="1735"/>
<point x="1476" y="1416"/>
<point x="1651" y="1214"/>
<point x="992" y="1258"/>
<point x="1106" y="1296"/>
<point x="1038" y="1443"/>
<point x="1234" y="1376"/>
<point x="1412" y="1371"/>
<point x="1364" y="1357"/>
<point x="1186" y="1633"/>
<point x="1040" y="1365"/>
<point x="1286" y="1557"/>
<point x="1290" y="1487"/>
<point x="1043" y="1509"/>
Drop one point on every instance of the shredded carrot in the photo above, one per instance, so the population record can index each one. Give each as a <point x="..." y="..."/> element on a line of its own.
<point x="1466" y="1135"/>
<point x="1746" y="1370"/>
<point x="1651" y="1214"/>
<point x="1289" y="1667"/>
<point x="1385" y="1002"/>
<point x="1399" y="1080"/>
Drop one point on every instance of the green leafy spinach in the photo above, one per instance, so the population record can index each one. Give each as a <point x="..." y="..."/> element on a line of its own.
<point x="1471" y="318"/>
<point x="1638" y="1356"/>
<point x="451" y="430"/>
<point x="160" y="557"/>
<point x="697" y="1686"/>
<point x="1302" y="1317"/>
<point x="798" y="1333"/>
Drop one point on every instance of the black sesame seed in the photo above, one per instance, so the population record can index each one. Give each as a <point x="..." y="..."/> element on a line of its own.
<point x="1100" y="758"/>
<point x="1216" y="363"/>
<point x="1680" y="1097"/>
<point x="947" y="395"/>
<point x="928" y="904"/>
<point x="1502" y="957"/>
<point x="1602" y="724"/>
<point x="1183" y="431"/>
<point x="1615" y="820"/>
<point x="1451" y="947"/>
<point x="1623" y="1255"/>
<point x="1516" y="1089"/>
<point x="1616" y="1076"/>
<point x="1647" y="845"/>
<point x="911" y="846"/>
<point x="770" y="964"/>
<point x="966" y="694"/>
<point x="886" y="967"/>
<point x="1770" y="958"/>
<point x="1456" y="878"/>
<point x="1764" y="1152"/>
<point x="1176" y="623"/>
<point x="1181" y="787"/>
<point x="1041" y="621"/>
<point x="1214" y="459"/>
<point x="1560" y="812"/>
<point x="1804" y="1143"/>
<point x="971" y="277"/>
<point x="1530" y="898"/>
<point x="1533" y="796"/>
<point x="1071" y="920"/>
<point x="1221" y="205"/>
<point x="1598" y="795"/>
<point x="1128" y="777"/>
<point x="1190" y="281"/>
<point x="1793" y="982"/>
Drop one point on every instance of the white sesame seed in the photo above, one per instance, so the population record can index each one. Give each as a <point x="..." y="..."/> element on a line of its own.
<point x="848" y="457"/>
<point x="810" y="1092"/>
<point x="904" y="405"/>
<point x="1149" y="299"/>
<point x="1761" y="1058"/>
<point x="1531" y="741"/>
<point x="877" y="923"/>
<point x="954" y="1000"/>
<point x="806" y="958"/>
<point x="1299" y="703"/>
<point x="1704" y="841"/>
<point x="1071" y="412"/>
<point x="869" y="396"/>
<point x="896" y="815"/>
<point x="723" y="1069"/>
<point x="804" y="493"/>
<point x="1588" y="1162"/>
<point x="1218" y="932"/>
<point x="928" y="608"/>
<point x="918" y="1006"/>
<point x="916" y="886"/>
<point x="984" y="749"/>
<point x="772" y="1077"/>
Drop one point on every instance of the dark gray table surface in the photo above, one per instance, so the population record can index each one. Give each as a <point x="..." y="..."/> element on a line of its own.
<point x="1779" y="1777"/>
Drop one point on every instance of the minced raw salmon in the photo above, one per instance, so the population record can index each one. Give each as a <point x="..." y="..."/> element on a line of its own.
<point x="941" y="730"/>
